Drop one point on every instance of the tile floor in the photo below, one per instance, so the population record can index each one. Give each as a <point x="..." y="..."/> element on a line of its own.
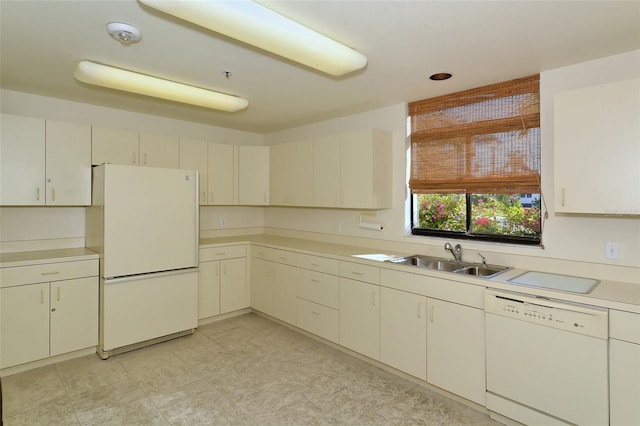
<point x="245" y="370"/>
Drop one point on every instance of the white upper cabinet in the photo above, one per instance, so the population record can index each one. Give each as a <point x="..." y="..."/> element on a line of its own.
<point x="353" y="170"/>
<point x="597" y="149"/>
<point x="159" y="151"/>
<point x="326" y="171"/>
<point x="22" y="157"/>
<point x="253" y="175"/>
<point x="128" y="147"/>
<point x="193" y="156"/>
<point x="366" y="169"/>
<point x="114" y="146"/>
<point x="68" y="164"/>
<point x="222" y="188"/>
<point x="44" y="164"/>
<point x="292" y="174"/>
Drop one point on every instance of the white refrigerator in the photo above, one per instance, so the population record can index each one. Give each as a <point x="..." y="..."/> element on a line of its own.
<point x="143" y="222"/>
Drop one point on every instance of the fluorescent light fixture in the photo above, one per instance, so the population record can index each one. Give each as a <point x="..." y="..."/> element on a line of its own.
<point x="129" y="81"/>
<point x="258" y="26"/>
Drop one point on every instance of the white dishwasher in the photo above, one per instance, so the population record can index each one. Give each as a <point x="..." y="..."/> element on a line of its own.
<point x="547" y="360"/>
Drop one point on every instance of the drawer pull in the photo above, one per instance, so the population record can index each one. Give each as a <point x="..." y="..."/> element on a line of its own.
<point x="373" y="298"/>
<point x="357" y="273"/>
<point x="314" y="280"/>
<point x="315" y="264"/>
<point x="221" y="253"/>
<point x="42" y="296"/>
<point x="431" y="313"/>
<point x="419" y="313"/>
<point x="562" y="197"/>
<point x="58" y="293"/>
<point x="53" y="194"/>
<point x="315" y="312"/>
<point x="282" y="257"/>
<point x="50" y="273"/>
<point x="38" y="194"/>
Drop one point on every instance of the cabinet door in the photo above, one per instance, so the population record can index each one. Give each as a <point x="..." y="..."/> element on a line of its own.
<point x="597" y="149"/>
<point x="624" y="370"/>
<point x="159" y="151"/>
<point x="300" y="173"/>
<point x="455" y="349"/>
<point x="326" y="171"/>
<point x="115" y="146"/>
<point x="262" y="285"/>
<point x="233" y="285"/>
<point x="208" y="289"/>
<point x="222" y="172"/>
<point x="360" y="317"/>
<point x="253" y="175"/>
<point x="193" y="156"/>
<point x="74" y="315"/>
<point x="22" y="160"/>
<point x="403" y="331"/>
<point x="24" y="324"/>
<point x="68" y="164"/>
<point x="284" y="293"/>
<point x="278" y="185"/>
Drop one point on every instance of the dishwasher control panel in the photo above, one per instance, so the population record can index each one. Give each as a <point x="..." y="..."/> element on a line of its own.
<point x="576" y="318"/>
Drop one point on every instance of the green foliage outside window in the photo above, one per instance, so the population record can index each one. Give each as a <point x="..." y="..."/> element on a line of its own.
<point x="491" y="214"/>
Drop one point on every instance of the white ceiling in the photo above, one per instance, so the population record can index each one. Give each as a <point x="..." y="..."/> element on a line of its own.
<point x="480" y="42"/>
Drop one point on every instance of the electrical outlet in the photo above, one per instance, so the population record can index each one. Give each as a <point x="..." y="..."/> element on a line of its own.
<point x="611" y="250"/>
<point x="221" y="223"/>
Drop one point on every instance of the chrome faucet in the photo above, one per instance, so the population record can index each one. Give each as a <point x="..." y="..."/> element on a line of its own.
<point x="455" y="251"/>
<point x="484" y="260"/>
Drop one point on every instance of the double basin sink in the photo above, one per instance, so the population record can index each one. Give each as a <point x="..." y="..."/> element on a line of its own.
<point x="437" y="264"/>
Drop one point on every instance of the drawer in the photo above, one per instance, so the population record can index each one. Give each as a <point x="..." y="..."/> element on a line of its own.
<point x="274" y="255"/>
<point x="48" y="272"/>
<point x="319" y="288"/>
<point x="624" y="326"/>
<point x="319" y="264"/>
<point x="223" y="252"/>
<point x="319" y="320"/>
<point x="437" y="288"/>
<point x="357" y="271"/>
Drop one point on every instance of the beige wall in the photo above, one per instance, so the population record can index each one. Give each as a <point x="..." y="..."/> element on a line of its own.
<point x="573" y="243"/>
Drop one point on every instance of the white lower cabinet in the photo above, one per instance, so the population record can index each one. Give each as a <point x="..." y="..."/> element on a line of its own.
<point x="456" y="350"/>
<point x="222" y="280"/>
<point x="403" y="331"/>
<point x="273" y="283"/>
<point x="624" y="368"/>
<point x="284" y="292"/>
<point x="360" y="317"/>
<point x="43" y="319"/>
<point x="261" y="286"/>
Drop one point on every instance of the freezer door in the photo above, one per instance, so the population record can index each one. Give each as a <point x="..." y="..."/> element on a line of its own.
<point x="150" y="220"/>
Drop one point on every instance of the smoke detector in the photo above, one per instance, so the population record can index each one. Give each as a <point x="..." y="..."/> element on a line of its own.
<point x="124" y="33"/>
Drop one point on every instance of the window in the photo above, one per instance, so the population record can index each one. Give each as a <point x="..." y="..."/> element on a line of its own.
<point x="475" y="163"/>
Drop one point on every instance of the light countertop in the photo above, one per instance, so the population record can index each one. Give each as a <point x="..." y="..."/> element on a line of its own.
<point x="9" y="260"/>
<point x="607" y="294"/>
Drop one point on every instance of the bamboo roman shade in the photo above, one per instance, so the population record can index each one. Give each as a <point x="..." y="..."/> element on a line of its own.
<point x="483" y="140"/>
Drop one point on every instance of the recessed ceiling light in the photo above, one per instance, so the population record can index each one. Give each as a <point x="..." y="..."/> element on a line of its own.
<point x="440" y="76"/>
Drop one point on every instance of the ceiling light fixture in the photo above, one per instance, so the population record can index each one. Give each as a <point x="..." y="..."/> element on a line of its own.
<point x="124" y="33"/>
<point x="129" y="81"/>
<point x="258" y="26"/>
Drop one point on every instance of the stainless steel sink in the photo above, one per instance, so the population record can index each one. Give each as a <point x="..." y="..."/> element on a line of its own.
<point x="481" y="271"/>
<point x="445" y="265"/>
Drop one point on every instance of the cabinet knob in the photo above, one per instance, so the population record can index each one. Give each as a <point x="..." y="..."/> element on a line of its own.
<point x="53" y="309"/>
